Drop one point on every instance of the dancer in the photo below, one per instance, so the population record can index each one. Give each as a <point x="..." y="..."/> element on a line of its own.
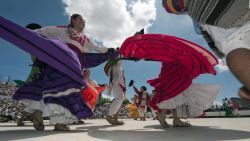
<point x="34" y="70"/>
<point x="117" y="83"/>
<point x="182" y="61"/>
<point x="132" y="108"/>
<point x="192" y="100"/>
<point x="91" y="93"/>
<point x="56" y="91"/>
<point x="142" y="98"/>
<point x="229" y="31"/>
<point x="154" y="112"/>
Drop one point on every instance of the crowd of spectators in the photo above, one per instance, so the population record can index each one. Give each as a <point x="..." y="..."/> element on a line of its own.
<point x="12" y="109"/>
<point x="7" y="89"/>
<point x="101" y="110"/>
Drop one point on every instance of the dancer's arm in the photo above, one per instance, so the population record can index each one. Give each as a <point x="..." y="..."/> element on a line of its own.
<point x="49" y="31"/>
<point x="136" y="90"/>
<point x="91" y="46"/>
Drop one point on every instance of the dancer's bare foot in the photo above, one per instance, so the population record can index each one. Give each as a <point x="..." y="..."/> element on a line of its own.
<point x="161" y="118"/>
<point x="113" y="120"/>
<point x="179" y="123"/>
<point x="119" y="122"/>
<point x="24" y="115"/>
<point x="38" y="121"/>
<point x="116" y="116"/>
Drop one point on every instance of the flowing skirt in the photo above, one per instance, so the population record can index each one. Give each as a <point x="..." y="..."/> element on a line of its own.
<point x="55" y="94"/>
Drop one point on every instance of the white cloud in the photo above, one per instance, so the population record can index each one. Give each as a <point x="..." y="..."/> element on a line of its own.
<point x="222" y="66"/>
<point x="112" y="21"/>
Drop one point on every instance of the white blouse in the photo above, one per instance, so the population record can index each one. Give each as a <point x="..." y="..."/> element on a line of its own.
<point x="70" y="36"/>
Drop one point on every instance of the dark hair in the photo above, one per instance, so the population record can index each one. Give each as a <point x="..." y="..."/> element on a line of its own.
<point x="144" y="88"/>
<point x="86" y="70"/>
<point x="33" y="26"/>
<point x="74" y="16"/>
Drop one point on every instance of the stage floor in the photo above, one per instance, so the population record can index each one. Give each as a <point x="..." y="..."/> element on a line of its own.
<point x="205" y="129"/>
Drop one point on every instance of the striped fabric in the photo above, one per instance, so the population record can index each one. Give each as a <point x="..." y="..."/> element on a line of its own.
<point x="175" y="6"/>
<point x="108" y="66"/>
<point x="61" y="79"/>
<point x="208" y="39"/>
<point x="222" y="13"/>
<point x="54" y="87"/>
<point x="165" y="48"/>
<point x="172" y="80"/>
<point x="211" y="44"/>
<point x="182" y="61"/>
<point x="52" y="52"/>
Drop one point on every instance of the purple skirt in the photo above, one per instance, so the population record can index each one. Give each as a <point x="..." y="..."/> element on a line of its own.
<point x="54" y="87"/>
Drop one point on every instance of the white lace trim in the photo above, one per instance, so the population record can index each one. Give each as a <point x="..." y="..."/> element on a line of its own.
<point x="197" y="97"/>
<point x="31" y="105"/>
<point x="57" y="113"/>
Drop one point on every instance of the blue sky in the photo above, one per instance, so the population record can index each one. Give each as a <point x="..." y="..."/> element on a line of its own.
<point x="15" y="62"/>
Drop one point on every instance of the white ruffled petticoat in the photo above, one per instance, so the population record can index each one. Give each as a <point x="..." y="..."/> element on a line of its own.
<point x="194" y="100"/>
<point x="56" y="113"/>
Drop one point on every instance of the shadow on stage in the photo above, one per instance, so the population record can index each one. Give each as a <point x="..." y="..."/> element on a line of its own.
<point x="108" y="132"/>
